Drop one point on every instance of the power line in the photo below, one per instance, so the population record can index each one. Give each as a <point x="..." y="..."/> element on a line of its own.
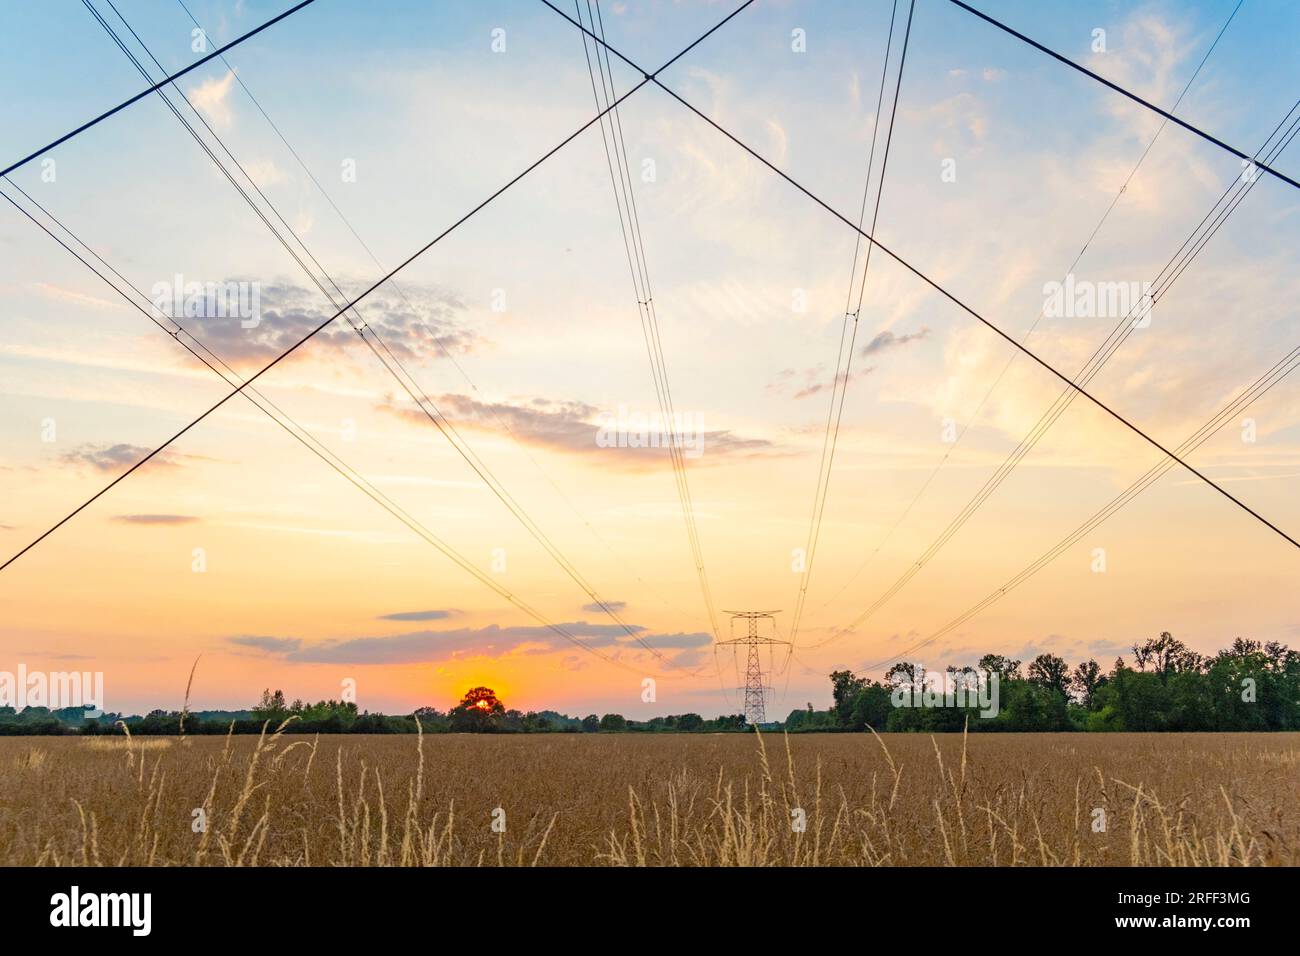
<point x="1262" y="386"/>
<point x="264" y="404"/>
<point x="849" y="325"/>
<point x="615" y="146"/>
<point x="995" y="329"/>
<point x="399" y="372"/>
<point x="154" y="88"/>
<point x="1123" y="92"/>
<point x="1172" y="269"/>
<point x="317" y="329"/>
<point x="435" y="338"/>
<point x="646" y="309"/>
<point x="946" y="294"/>
<point x="1042" y="312"/>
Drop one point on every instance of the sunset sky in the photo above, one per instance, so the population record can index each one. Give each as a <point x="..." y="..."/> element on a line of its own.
<point x="309" y="583"/>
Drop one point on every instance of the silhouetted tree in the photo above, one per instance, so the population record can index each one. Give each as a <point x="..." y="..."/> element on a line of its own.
<point x="479" y="711"/>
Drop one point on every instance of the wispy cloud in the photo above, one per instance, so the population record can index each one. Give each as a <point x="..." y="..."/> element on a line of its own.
<point x="438" y="615"/>
<point x="681" y="639"/>
<point x="156" y="519"/>
<point x="887" y="340"/>
<point x="272" y="645"/>
<point x="77" y="298"/>
<point x="105" y="457"/>
<point x="572" y="427"/>
<point x="817" y="379"/>
<point x="264" y="172"/>
<point x="212" y="98"/>
<point x="492" y="641"/>
<point x="814" y="387"/>
<point x="814" y="380"/>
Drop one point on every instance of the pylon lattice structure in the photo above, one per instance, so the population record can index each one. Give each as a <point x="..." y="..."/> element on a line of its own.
<point x="756" y="687"/>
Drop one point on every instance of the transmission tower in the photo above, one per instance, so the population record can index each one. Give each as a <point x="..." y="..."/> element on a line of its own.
<point x="756" y="687"/>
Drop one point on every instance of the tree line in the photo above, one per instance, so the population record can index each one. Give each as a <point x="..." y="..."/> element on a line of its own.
<point x="479" y="711"/>
<point x="1250" y="686"/>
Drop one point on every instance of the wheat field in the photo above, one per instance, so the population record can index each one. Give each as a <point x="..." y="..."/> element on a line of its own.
<point x="675" y="800"/>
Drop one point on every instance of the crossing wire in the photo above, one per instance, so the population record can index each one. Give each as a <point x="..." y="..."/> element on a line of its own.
<point x="937" y="287"/>
<point x="615" y="146"/>
<point x="849" y="325"/>
<point x="1061" y="58"/>
<point x="365" y="292"/>
<point x="434" y="337"/>
<point x="197" y="348"/>
<point x="1178" y="263"/>
<point x="1261" y="387"/>
<point x="382" y="352"/>
<point x="95" y="121"/>
<point x="920" y="492"/>
<point x="312" y="333"/>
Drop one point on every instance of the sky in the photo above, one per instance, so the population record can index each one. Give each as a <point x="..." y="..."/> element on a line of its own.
<point x="240" y="548"/>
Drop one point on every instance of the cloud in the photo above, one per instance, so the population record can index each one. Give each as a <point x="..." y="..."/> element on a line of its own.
<point x="573" y="426"/>
<point x="493" y="640"/>
<point x="887" y="340"/>
<point x="1147" y="59"/>
<point x="264" y="172"/>
<point x="780" y="141"/>
<point x="211" y="98"/>
<point x="417" y="325"/>
<point x="273" y="645"/>
<point x="815" y="386"/>
<point x="958" y="122"/>
<point x="77" y="298"/>
<point x="156" y="519"/>
<point x="105" y="457"/>
<point x="561" y="425"/>
<point x="690" y="658"/>
<point x="418" y="615"/>
<point x="595" y="608"/>
<point x="679" y="640"/>
<point x="814" y="380"/>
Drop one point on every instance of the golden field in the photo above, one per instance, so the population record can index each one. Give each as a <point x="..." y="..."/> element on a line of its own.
<point x="624" y="799"/>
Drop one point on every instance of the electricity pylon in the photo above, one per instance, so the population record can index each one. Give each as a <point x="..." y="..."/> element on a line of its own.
<point x="755" y="687"/>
